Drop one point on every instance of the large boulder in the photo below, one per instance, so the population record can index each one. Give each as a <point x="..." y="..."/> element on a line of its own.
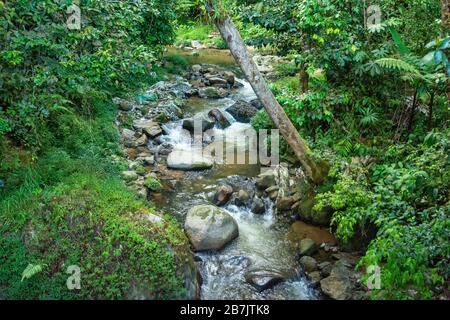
<point x="204" y="122"/>
<point x="188" y="160"/>
<point x="307" y="212"/>
<point x="262" y="279"/>
<point x="339" y="285"/>
<point x="149" y="127"/>
<point x="209" y="227"/>
<point x="242" y="111"/>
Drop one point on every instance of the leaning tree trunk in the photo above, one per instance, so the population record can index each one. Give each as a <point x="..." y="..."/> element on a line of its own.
<point x="445" y="5"/>
<point x="238" y="49"/>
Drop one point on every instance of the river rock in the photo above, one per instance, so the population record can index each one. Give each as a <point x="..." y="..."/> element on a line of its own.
<point x="299" y="230"/>
<point x="242" y="197"/>
<point x="128" y="134"/>
<point x="142" y="140"/>
<point x="242" y="111"/>
<point x="346" y="258"/>
<point x="149" y="160"/>
<point x="271" y="189"/>
<point x="229" y="76"/>
<point x="123" y="105"/>
<point x="262" y="279"/>
<point x="308" y="263"/>
<point x="284" y="203"/>
<point x="339" y="284"/>
<point x="149" y="127"/>
<point x="325" y="268"/>
<point x="307" y="212"/>
<point x="219" y="117"/>
<point x="258" y="206"/>
<point x="223" y="195"/>
<point x="196" y="68"/>
<point x="128" y="138"/>
<point x="212" y="93"/>
<point x="218" y="82"/>
<point x="257" y="104"/>
<point x="205" y="122"/>
<point x="266" y="179"/>
<point x="314" y="278"/>
<point x="129" y="176"/>
<point x="273" y="195"/>
<point x="209" y="227"/>
<point x="188" y="160"/>
<point x="307" y="247"/>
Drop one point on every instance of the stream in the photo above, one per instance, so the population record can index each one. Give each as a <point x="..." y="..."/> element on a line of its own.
<point x="261" y="244"/>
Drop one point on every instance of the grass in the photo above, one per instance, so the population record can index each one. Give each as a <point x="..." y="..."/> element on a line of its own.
<point x="194" y="32"/>
<point x="68" y="207"/>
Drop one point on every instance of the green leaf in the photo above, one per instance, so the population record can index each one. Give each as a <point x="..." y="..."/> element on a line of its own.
<point x="402" y="48"/>
<point x="438" y="56"/>
<point x="428" y="58"/>
<point x="444" y="44"/>
<point x="31" y="270"/>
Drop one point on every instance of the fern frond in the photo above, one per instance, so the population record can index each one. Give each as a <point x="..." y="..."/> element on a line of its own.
<point x="31" y="270"/>
<point x="399" y="65"/>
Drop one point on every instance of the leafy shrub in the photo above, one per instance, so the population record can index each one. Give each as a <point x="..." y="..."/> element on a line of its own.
<point x="153" y="183"/>
<point x="65" y="72"/>
<point x="407" y="200"/>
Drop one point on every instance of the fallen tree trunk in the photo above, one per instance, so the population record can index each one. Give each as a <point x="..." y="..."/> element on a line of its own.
<point x="238" y="49"/>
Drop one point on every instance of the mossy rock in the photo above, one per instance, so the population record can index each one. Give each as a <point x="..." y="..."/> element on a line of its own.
<point x="308" y="213"/>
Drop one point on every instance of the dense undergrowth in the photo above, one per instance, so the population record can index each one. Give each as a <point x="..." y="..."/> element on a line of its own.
<point x="373" y="102"/>
<point x="62" y="202"/>
<point x="378" y="113"/>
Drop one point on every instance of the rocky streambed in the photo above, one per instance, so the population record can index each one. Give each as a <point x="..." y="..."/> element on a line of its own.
<point x="242" y="219"/>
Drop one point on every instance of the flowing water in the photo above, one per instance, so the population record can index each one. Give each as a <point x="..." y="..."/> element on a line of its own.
<point x="261" y="244"/>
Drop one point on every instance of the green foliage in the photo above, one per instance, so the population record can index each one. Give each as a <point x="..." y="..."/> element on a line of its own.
<point x="349" y="198"/>
<point x="153" y="183"/>
<point x="406" y="198"/>
<point x="198" y="32"/>
<point x="87" y="217"/>
<point x="62" y="202"/>
<point x="48" y="72"/>
<point x="31" y="270"/>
